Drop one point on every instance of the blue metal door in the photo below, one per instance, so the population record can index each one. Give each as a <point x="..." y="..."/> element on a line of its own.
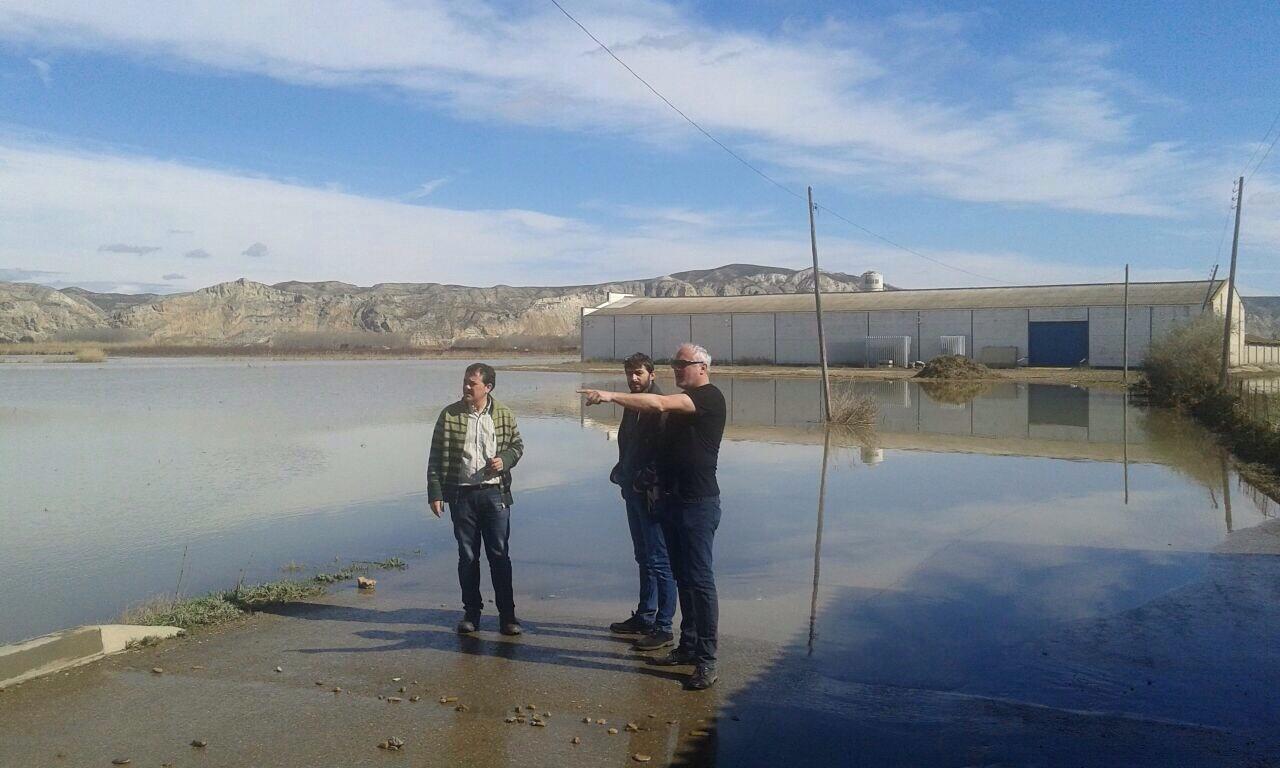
<point x="1058" y="344"/>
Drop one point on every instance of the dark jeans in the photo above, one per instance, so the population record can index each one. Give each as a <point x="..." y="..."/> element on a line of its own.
<point x="479" y="515"/>
<point x="657" y="585"/>
<point x="690" y="529"/>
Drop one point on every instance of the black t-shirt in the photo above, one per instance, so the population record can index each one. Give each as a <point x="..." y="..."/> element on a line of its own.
<point x="691" y="445"/>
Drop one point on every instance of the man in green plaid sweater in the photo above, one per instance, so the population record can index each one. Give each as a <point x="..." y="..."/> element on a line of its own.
<point x="473" y="450"/>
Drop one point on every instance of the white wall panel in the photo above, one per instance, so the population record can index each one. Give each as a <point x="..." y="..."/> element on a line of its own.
<point x="937" y="323"/>
<point x="597" y="337"/>
<point x="846" y="334"/>
<point x="1106" y="336"/>
<point x="1058" y="314"/>
<point x="753" y="337"/>
<point x="631" y="334"/>
<point x="669" y="332"/>
<point x="797" y="338"/>
<point x="1000" y="328"/>
<point x="715" y="332"/>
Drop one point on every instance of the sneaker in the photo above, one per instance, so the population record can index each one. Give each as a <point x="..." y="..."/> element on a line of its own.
<point x="511" y="627"/>
<point x="704" y="676"/>
<point x="654" y="640"/>
<point x="680" y="657"/>
<point x="468" y="624"/>
<point x="632" y="626"/>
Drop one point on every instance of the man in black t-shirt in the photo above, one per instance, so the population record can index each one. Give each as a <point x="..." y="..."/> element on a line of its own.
<point x="689" y="505"/>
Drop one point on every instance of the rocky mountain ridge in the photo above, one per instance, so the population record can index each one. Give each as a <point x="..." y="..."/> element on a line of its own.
<point x="330" y="313"/>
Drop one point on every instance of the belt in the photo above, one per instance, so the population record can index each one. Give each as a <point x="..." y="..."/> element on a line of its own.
<point x="482" y="487"/>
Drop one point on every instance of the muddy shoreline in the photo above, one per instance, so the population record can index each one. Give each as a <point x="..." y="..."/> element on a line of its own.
<point x="1091" y="377"/>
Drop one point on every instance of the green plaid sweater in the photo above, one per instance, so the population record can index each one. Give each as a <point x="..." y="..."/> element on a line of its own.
<point x="447" y="444"/>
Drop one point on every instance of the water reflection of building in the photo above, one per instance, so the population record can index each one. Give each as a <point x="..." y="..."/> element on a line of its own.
<point x="1002" y="418"/>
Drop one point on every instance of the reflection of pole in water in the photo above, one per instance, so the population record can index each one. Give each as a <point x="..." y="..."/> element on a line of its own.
<point x="817" y="543"/>
<point x="1126" y="444"/>
<point x="1226" y="488"/>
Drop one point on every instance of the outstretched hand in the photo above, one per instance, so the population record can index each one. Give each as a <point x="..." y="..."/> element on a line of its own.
<point x="596" y="396"/>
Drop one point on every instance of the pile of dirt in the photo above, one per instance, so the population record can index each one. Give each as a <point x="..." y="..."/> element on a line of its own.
<point x="956" y="368"/>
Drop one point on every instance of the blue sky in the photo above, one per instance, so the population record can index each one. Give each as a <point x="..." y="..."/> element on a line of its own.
<point x="168" y="148"/>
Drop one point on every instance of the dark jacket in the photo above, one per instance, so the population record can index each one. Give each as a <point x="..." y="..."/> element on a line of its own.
<point x="636" y="469"/>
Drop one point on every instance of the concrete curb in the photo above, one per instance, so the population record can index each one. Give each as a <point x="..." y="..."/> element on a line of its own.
<point x="71" y="648"/>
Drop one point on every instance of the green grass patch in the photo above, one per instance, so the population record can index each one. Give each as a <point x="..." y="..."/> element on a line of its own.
<point x="226" y="606"/>
<point x="209" y="610"/>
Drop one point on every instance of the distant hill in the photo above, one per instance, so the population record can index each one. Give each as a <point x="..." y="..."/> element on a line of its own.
<point x="334" y="314"/>
<point x="1262" y="316"/>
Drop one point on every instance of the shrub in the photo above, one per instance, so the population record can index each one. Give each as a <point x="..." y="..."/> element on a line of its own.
<point x="1182" y="373"/>
<point x="1183" y="366"/>
<point x="853" y="410"/>
<point x="90" y="355"/>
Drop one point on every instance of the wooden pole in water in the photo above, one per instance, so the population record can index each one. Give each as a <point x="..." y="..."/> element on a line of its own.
<point x="1226" y="488"/>
<point x="1126" y="324"/>
<point x="817" y="304"/>
<point x="1125" y="430"/>
<point x="1231" y="288"/>
<point x="817" y="544"/>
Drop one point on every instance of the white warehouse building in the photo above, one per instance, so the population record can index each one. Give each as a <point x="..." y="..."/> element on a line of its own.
<point x="1042" y="325"/>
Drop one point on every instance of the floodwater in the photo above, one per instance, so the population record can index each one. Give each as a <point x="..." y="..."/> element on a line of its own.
<point x="1049" y="545"/>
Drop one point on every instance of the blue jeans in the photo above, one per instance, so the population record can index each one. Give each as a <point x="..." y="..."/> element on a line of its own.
<point x="690" y="529"/>
<point x="657" y="585"/>
<point x="480" y="516"/>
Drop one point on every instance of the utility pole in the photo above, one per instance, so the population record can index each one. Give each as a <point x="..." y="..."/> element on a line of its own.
<point x="1208" y="294"/>
<point x="1126" y="325"/>
<point x="817" y="303"/>
<point x="1231" y="288"/>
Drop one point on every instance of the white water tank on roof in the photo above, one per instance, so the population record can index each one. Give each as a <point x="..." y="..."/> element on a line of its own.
<point x="872" y="281"/>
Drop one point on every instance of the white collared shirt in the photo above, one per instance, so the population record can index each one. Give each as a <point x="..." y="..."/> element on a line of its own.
<point x="480" y="446"/>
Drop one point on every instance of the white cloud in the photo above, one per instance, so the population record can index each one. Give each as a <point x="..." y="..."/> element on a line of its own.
<point x="136" y="250"/>
<point x="805" y="98"/>
<point x="43" y="71"/>
<point x="426" y="188"/>
<point x="174" y="276"/>
<point x="58" y="203"/>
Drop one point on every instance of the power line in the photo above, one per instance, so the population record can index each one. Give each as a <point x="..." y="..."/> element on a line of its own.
<point x="1263" y="159"/>
<point x="899" y="246"/>
<point x="677" y="110"/>
<point x="752" y="167"/>
<point x="1254" y="154"/>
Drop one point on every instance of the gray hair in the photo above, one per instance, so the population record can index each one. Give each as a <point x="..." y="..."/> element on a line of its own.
<point x="700" y="354"/>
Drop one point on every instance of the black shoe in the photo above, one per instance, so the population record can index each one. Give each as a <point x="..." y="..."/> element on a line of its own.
<point x="678" y="658"/>
<point x="654" y="640"/>
<point x="510" y="626"/>
<point x="632" y="626"/>
<point x="468" y="624"/>
<point x="704" y="676"/>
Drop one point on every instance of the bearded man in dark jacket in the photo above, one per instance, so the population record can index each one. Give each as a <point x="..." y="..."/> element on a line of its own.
<point x="636" y="474"/>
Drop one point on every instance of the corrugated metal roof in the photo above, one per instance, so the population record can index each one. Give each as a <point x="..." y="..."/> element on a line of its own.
<point x="1088" y="295"/>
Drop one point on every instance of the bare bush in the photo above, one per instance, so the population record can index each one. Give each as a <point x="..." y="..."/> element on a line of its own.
<point x="90" y="355"/>
<point x="854" y="410"/>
